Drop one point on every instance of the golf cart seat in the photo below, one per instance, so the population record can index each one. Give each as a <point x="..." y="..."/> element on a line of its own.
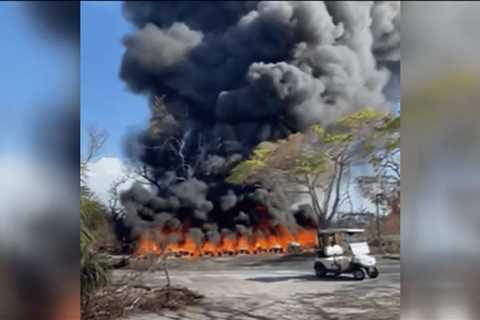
<point x="334" y="250"/>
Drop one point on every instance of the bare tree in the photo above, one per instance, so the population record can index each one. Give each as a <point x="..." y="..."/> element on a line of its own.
<point x="159" y="257"/>
<point x="114" y="206"/>
<point x="189" y="151"/>
<point x="96" y="140"/>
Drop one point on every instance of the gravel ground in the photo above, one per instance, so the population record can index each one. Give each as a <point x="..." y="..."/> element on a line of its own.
<point x="276" y="287"/>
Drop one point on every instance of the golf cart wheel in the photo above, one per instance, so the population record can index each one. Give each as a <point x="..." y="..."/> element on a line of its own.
<point x="320" y="270"/>
<point x="358" y="274"/>
<point x="373" y="272"/>
<point x="337" y="272"/>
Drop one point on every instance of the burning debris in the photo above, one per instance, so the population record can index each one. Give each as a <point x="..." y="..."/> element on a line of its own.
<point x="234" y="74"/>
<point x="277" y="240"/>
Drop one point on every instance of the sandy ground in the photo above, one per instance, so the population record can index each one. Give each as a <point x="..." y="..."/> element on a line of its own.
<point x="276" y="287"/>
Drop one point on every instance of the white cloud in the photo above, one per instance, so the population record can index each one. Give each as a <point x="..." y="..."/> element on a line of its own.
<point x="103" y="173"/>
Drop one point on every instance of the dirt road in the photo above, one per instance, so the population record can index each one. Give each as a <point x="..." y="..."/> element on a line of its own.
<point x="274" y="288"/>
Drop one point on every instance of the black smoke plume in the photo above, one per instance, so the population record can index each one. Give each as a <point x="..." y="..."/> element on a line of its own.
<point x="231" y="75"/>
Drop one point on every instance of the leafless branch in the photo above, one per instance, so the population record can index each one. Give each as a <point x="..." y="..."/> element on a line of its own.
<point x="96" y="140"/>
<point x="114" y="195"/>
<point x="142" y="171"/>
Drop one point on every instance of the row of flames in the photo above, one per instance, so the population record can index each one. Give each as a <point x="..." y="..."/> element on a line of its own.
<point x="278" y="240"/>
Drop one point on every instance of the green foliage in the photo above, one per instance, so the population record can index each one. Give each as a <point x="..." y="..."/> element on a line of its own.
<point x="389" y="133"/>
<point x="343" y="137"/>
<point x="320" y="157"/>
<point x="263" y="150"/>
<point x="254" y="164"/>
<point x="94" y="272"/>
<point x="391" y="124"/>
<point x="318" y="130"/>
<point x="91" y="212"/>
<point x="243" y="170"/>
<point x="346" y="129"/>
<point x="93" y="268"/>
<point x="337" y="138"/>
<point x="310" y="164"/>
<point x="360" y="119"/>
<point x="86" y="239"/>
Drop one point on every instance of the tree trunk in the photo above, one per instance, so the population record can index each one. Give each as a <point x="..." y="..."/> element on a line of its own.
<point x="167" y="276"/>
<point x="317" y="209"/>
<point x="336" y="201"/>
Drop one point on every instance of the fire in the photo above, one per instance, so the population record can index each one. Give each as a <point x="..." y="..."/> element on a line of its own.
<point x="307" y="238"/>
<point x="276" y="239"/>
<point x="146" y="245"/>
<point x="229" y="245"/>
<point x="261" y="243"/>
<point x="244" y="245"/>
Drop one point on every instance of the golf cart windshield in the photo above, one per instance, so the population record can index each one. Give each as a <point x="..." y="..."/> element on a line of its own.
<point x="359" y="248"/>
<point x="354" y="237"/>
<point x="357" y="243"/>
<point x="342" y="235"/>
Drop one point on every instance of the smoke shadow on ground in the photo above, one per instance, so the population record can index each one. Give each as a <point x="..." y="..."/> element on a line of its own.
<point x="305" y="277"/>
<point x="278" y="259"/>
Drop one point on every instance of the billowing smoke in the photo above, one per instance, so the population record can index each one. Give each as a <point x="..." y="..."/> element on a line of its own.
<point x="300" y="62"/>
<point x="233" y="74"/>
<point x="192" y="195"/>
<point x="386" y="30"/>
<point x="228" y="201"/>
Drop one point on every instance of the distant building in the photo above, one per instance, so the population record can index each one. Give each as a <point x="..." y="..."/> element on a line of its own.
<point x="392" y="220"/>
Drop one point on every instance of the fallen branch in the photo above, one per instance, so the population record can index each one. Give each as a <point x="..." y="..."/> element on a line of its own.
<point x="111" y="303"/>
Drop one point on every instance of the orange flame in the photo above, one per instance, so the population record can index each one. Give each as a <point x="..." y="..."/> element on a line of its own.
<point x="276" y="239"/>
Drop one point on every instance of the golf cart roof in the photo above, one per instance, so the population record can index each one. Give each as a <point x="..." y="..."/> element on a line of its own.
<point x="340" y="230"/>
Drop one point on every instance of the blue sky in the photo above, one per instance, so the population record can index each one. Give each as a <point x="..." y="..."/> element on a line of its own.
<point x="33" y="76"/>
<point x="105" y="101"/>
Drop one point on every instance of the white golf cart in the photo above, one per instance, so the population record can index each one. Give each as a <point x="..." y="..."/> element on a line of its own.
<point x="332" y="259"/>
